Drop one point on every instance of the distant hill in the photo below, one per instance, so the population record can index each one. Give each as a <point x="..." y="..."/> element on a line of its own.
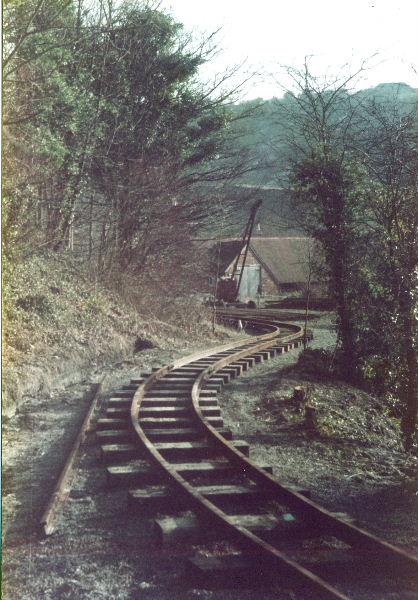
<point x="402" y="92"/>
<point x="263" y="133"/>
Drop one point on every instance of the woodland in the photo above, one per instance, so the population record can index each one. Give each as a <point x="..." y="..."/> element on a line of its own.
<point x="116" y="155"/>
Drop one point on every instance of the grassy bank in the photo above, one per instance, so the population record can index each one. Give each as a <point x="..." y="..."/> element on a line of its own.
<point x="59" y="324"/>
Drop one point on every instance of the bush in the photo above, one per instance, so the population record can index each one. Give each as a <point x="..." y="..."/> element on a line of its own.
<point x="376" y="373"/>
<point x="316" y="363"/>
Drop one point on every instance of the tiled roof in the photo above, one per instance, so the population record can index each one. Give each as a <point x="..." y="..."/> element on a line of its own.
<point x="285" y="259"/>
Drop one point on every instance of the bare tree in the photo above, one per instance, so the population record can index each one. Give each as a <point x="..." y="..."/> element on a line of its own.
<point x="318" y="119"/>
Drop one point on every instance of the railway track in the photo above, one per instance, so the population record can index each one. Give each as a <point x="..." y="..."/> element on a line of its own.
<point x="163" y="438"/>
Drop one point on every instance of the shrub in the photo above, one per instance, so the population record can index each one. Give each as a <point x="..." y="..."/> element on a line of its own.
<point x="316" y="363"/>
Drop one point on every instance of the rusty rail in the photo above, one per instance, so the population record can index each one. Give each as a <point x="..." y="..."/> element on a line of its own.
<point x="274" y="334"/>
<point x="63" y="486"/>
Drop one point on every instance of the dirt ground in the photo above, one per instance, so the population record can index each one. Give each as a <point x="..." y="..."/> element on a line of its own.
<point x="352" y="462"/>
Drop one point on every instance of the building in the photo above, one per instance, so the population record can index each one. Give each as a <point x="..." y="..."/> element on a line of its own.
<point x="275" y="266"/>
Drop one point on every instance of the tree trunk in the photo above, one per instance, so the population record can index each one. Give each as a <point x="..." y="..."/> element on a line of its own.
<point x="339" y="270"/>
<point x="349" y="361"/>
<point x="410" y="389"/>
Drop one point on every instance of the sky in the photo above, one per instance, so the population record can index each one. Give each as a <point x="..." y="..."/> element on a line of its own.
<point x="267" y="34"/>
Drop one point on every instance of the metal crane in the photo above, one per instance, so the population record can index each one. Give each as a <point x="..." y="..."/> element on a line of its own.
<point x="228" y="289"/>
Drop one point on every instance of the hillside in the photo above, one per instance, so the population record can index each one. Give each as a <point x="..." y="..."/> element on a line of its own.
<point x="62" y="327"/>
<point x="263" y="134"/>
<point x="266" y="129"/>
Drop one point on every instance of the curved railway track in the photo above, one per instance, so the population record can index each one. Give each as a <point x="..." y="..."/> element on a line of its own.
<point x="164" y="437"/>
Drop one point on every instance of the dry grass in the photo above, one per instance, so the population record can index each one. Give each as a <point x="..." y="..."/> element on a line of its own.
<point x="60" y="323"/>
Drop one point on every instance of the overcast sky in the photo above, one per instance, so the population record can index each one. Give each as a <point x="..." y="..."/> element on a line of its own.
<point x="271" y="32"/>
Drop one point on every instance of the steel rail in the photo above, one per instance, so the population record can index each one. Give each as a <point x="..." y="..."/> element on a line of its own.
<point x="346" y="531"/>
<point x="211" y="513"/>
<point x="62" y="487"/>
<point x="201" y="504"/>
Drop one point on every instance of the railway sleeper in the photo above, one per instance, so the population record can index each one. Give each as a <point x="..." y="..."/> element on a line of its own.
<point x="267" y="353"/>
<point x="248" y="362"/>
<point x="142" y="473"/>
<point x="199" y="367"/>
<point x="205" y="365"/>
<point x="280" y="348"/>
<point x="195" y="449"/>
<point x="146" y="402"/>
<point x="157" y="499"/>
<point x="233" y="370"/>
<point x="163" y="410"/>
<point x="214" y="468"/>
<point x="275" y="351"/>
<point x="338" y="564"/>
<point x="250" y="570"/>
<point x="153" y="393"/>
<point x="242" y="364"/>
<point x="220" y="355"/>
<point x="227" y="571"/>
<point x="173" y="411"/>
<point x="175" y="422"/>
<point x="223" y="377"/>
<point x="260" y="357"/>
<point x="111" y="423"/>
<point x="171" y="530"/>
<point x="116" y="436"/>
<point x="229" y="372"/>
<point x="153" y="499"/>
<point x="180" y="379"/>
<point x="182" y="434"/>
<point x="272" y="528"/>
<point x="123" y="393"/>
<point x="205" y="362"/>
<point x="113" y="453"/>
<point x="190" y="370"/>
<point x="118" y="412"/>
<point x="135" y="473"/>
<point x="181" y="386"/>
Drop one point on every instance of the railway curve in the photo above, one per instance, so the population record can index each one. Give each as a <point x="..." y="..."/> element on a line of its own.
<point x="171" y="419"/>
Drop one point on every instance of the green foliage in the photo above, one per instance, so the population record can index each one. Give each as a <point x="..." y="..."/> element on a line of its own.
<point x="267" y="131"/>
<point x="353" y="183"/>
<point x="103" y="103"/>
<point x="317" y="363"/>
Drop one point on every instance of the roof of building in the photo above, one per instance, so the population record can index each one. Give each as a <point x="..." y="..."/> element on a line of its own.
<point x="223" y="253"/>
<point x="286" y="259"/>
